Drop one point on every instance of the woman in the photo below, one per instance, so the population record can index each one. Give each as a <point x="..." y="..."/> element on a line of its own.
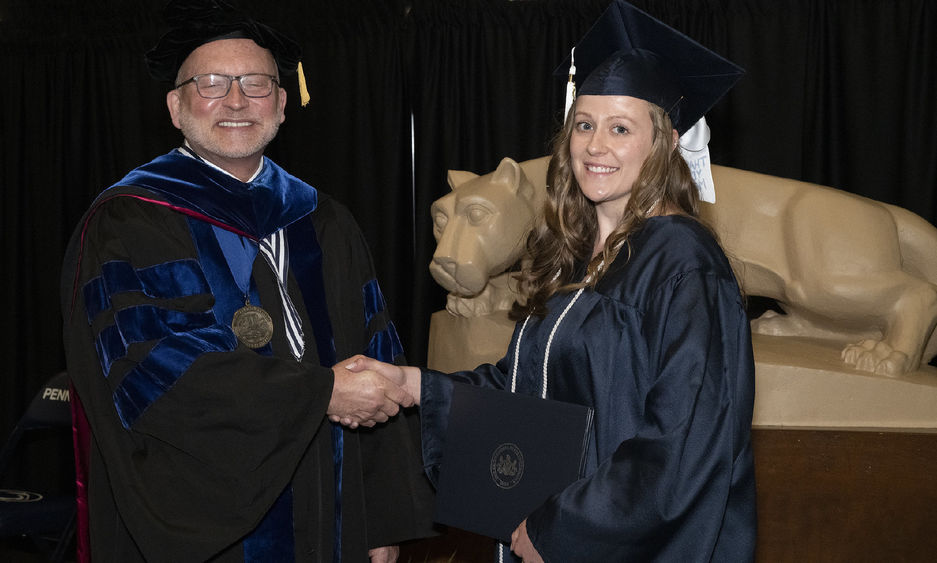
<point x="630" y="307"/>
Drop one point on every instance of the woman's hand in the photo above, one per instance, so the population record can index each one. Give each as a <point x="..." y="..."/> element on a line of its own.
<point x="388" y="554"/>
<point x="522" y="546"/>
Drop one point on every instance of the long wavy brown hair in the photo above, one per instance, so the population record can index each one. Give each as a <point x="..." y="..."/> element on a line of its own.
<point x="565" y="235"/>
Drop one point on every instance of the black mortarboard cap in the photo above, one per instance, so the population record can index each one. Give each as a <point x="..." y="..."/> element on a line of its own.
<point x="194" y="23"/>
<point x="627" y="52"/>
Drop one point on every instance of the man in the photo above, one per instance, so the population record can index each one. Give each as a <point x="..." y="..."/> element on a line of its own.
<point x="207" y="297"/>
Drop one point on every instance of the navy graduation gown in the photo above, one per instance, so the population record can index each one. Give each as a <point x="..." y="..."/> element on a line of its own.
<point x="661" y="349"/>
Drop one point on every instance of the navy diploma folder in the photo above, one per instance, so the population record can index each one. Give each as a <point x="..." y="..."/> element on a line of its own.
<point x="505" y="454"/>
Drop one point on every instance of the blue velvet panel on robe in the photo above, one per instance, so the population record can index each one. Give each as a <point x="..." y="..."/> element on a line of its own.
<point x="180" y="278"/>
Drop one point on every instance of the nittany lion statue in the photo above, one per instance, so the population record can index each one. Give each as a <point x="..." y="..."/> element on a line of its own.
<point x="480" y="228"/>
<point x="840" y="266"/>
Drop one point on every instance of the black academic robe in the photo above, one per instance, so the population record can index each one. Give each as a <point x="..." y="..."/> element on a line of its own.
<point x="202" y="448"/>
<point x="661" y="349"/>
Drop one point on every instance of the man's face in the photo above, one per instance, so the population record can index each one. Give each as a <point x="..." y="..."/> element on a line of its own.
<point x="234" y="129"/>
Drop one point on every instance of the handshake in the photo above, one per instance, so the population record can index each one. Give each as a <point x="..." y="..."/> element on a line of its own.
<point x="366" y="391"/>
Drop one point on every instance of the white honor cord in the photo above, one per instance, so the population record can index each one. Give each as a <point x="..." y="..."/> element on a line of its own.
<point x="516" y="353"/>
<point x="546" y="353"/>
<point x="546" y="357"/>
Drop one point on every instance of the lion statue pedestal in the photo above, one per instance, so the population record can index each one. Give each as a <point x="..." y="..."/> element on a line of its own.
<point x="802" y="383"/>
<point x="457" y="343"/>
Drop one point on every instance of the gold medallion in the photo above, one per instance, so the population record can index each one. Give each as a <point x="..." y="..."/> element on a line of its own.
<point x="252" y="326"/>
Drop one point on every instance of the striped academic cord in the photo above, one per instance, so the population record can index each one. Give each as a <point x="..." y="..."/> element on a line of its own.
<point x="274" y="250"/>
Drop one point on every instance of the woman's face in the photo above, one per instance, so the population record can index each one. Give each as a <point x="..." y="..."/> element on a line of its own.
<point x="612" y="136"/>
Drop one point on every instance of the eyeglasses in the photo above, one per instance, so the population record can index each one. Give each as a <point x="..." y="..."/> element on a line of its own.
<point x="218" y="85"/>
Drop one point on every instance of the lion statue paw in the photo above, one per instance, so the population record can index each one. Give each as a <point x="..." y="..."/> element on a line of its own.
<point x="876" y="356"/>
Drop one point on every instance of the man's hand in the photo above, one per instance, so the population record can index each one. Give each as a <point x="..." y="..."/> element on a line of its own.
<point x="522" y="546"/>
<point x="387" y="554"/>
<point x="393" y="372"/>
<point x="409" y="378"/>
<point x="364" y="398"/>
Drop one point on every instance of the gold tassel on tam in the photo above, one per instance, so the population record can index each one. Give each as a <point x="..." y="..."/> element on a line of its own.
<point x="303" y="91"/>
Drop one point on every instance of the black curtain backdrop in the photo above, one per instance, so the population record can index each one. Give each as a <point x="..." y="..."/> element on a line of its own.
<point x="838" y="92"/>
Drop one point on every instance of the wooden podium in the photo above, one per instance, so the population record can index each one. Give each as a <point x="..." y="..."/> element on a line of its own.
<point x="842" y="458"/>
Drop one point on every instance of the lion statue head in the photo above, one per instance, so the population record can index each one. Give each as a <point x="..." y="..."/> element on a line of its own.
<point x="480" y="228"/>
